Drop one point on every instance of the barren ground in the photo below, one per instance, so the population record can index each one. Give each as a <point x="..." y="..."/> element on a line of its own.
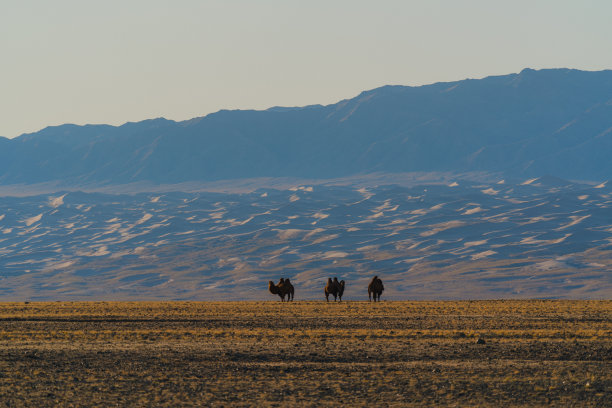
<point x="306" y="353"/>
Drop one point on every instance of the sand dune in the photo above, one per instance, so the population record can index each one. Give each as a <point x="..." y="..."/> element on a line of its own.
<point x="211" y="242"/>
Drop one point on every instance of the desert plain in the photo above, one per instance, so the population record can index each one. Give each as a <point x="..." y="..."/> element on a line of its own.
<point x="306" y="353"/>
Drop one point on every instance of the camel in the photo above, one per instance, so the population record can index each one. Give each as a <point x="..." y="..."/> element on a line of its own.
<point x="334" y="288"/>
<point x="331" y="289"/>
<point x="375" y="288"/>
<point x="275" y="290"/>
<point x="340" y="286"/>
<point x="284" y="288"/>
<point x="289" y="289"/>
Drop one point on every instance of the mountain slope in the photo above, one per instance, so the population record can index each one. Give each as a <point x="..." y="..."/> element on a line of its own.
<point x="556" y="122"/>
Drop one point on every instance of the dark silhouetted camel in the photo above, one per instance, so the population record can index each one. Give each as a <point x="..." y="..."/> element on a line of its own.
<point x="340" y="286"/>
<point x="334" y="288"/>
<point x="375" y="288"/>
<point x="331" y="289"/>
<point x="289" y="290"/>
<point x="284" y="288"/>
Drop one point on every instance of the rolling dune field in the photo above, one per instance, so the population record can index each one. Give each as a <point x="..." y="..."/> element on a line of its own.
<point x="542" y="238"/>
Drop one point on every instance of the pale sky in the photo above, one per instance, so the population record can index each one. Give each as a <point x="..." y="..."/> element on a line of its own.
<point x="81" y="61"/>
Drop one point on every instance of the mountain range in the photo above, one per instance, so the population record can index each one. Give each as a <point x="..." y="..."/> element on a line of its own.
<point x="547" y="122"/>
<point x="488" y="188"/>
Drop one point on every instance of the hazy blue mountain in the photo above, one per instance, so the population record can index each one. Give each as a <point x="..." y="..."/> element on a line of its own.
<point x="556" y="122"/>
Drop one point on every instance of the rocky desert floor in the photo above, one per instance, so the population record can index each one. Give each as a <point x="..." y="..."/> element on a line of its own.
<point x="306" y="353"/>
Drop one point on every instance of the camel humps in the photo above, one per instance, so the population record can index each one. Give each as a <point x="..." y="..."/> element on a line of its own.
<point x="334" y="288"/>
<point x="375" y="288"/>
<point x="330" y="289"/>
<point x="282" y="289"/>
<point x="340" y="286"/>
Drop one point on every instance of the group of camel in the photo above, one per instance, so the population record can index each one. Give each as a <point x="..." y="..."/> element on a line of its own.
<point x="333" y="287"/>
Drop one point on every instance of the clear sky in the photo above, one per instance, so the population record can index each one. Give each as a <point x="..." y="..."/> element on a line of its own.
<point x="82" y="61"/>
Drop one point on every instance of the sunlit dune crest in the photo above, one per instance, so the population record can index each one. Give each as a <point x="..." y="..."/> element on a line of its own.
<point x="474" y="243"/>
<point x="385" y="206"/>
<point x="490" y="191"/>
<point x="575" y="220"/>
<point x="290" y="233"/>
<point x="528" y="182"/>
<point x="60" y="265"/>
<point x="100" y="251"/>
<point x="325" y="238"/>
<point x="442" y="227"/>
<point x="302" y="188"/>
<point x="548" y="265"/>
<point x="314" y="232"/>
<point x="596" y="265"/>
<point x="335" y="254"/>
<point x="472" y="211"/>
<point x="144" y="218"/>
<point x="483" y="254"/>
<point x="235" y="223"/>
<point x="533" y="241"/>
<point x="55" y="202"/>
<point x="32" y="220"/>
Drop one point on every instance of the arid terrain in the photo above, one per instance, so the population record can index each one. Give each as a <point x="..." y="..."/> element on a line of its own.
<point x="306" y="353"/>
<point x="542" y="238"/>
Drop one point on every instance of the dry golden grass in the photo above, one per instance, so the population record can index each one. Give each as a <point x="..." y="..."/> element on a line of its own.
<point x="306" y="353"/>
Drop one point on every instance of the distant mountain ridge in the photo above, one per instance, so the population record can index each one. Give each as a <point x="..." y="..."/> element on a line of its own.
<point x="554" y="121"/>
